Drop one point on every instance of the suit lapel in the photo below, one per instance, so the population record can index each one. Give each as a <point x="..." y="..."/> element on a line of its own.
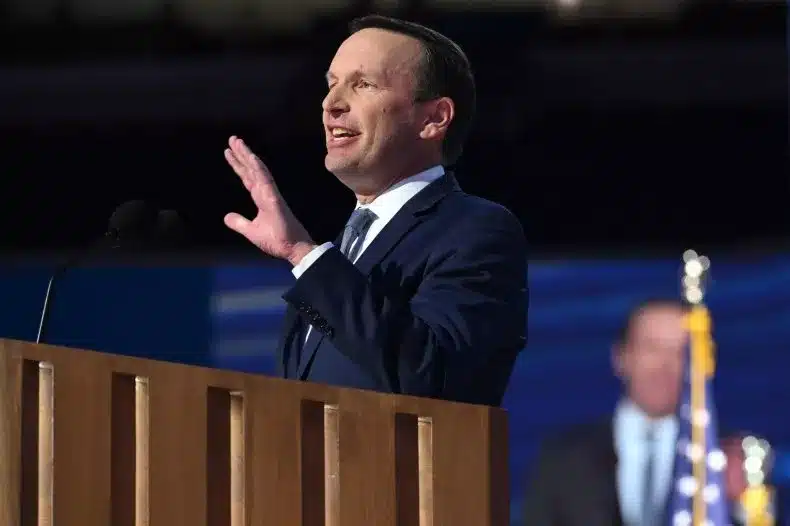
<point x="606" y="461"/>
<point x="308" y="353"/>
<point x="286" y="345"/>
<point x="412" y="214"/>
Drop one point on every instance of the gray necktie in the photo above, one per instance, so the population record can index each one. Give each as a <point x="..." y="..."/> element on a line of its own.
<point x="355" y="232"/>
<point x="648" y="489"/>
<point x="353" y="237"/>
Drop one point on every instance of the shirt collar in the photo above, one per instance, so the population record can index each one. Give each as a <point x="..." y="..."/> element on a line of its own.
<point x="388" y="203"/>
<point x="631" y="421"/>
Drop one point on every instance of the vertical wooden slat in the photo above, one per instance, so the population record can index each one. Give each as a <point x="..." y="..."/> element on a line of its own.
<point x="10" y="434"/>
<point x="331" y="465"/>
<point x="367" y="461"/>
<point x="425" y="462"/>
<point x="46" y="445"/>
<point x="142" y="452"/>
<point x="218" y="457"/>
<point x="177" y="445"/>
<point x="279" y="427"/>
<point x="469" y="489"/>
<point x="82" y="441"/>
<point x="123" y="450"/>
<point x="238" y="501"/>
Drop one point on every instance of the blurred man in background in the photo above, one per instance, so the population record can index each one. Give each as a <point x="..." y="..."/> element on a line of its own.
<point x="619" y="471"/>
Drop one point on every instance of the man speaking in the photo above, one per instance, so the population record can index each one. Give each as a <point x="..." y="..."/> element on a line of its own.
<point x="424" y="292"/>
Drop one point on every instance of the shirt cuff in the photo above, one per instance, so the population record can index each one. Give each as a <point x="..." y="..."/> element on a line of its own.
<point x="309" y="259"/>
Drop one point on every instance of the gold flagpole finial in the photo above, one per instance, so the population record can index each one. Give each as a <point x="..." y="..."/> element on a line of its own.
<point x="695" y="273"/>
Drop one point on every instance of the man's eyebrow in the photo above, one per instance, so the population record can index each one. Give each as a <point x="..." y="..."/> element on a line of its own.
<point x="356" y="74"/>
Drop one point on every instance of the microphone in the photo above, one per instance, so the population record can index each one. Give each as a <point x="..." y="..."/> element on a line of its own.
<point x="170" y="229"/>
<point x="132" y="223"/>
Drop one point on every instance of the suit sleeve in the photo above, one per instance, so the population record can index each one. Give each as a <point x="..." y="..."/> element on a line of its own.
<point x="471" y="302"/>
<point x="540" y="504"/>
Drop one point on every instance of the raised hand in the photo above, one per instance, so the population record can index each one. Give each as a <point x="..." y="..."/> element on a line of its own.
<point x="275" y="230"/>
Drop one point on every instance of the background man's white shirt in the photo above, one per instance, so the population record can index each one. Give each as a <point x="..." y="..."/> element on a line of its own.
<point x="631" y="426"/>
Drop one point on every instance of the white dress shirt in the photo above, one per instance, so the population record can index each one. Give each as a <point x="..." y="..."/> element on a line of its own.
<point x="631" y="426"/>
<point x="385" y="207"/>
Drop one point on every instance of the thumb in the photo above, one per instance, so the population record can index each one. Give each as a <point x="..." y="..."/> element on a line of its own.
<point x="238" y="224"/>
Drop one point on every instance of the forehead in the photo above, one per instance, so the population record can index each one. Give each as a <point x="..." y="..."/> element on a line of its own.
<point x="376" y="51"/>
<point x="659" y="322"/>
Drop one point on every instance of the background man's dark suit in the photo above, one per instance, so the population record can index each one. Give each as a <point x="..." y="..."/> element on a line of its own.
<point x="574" y="483"/>
<point x="436" y="306"/>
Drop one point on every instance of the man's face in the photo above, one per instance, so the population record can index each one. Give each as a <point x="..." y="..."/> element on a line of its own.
<point x="370" y="118"/>
<point x="734" y="476"/>
<point x="652" y="358"/>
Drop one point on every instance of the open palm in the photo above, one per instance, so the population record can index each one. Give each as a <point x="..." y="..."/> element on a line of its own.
<point x="275" y="229"/>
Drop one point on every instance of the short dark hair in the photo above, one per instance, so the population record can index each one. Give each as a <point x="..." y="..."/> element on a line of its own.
<point x="641" y="307"/>
<point x="444" y="72"/>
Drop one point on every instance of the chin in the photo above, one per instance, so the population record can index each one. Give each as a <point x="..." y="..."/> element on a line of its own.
<point x="341" y="166"/>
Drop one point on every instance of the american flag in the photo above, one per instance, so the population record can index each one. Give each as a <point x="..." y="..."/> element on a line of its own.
<point x="698" y="496"/>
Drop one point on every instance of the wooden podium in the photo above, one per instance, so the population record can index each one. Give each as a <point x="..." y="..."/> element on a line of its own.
<point x="92" y="439"/>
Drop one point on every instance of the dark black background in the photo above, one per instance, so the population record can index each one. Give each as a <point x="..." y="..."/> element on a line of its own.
<point x="581" y="178"/>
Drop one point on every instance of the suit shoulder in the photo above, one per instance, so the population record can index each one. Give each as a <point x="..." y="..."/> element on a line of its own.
<point x="479" y="205"/>
<point x="481" y="212"/>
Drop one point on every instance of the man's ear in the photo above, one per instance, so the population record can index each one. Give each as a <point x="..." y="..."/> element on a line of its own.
<point x="618" y="359"/>
<point x="438" y="116"/>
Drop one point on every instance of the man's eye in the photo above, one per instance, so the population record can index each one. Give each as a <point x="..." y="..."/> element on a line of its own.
<point x="365" y="84"/>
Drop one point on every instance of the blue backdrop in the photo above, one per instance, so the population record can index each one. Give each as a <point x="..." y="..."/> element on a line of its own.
<point x="229" y="316"/>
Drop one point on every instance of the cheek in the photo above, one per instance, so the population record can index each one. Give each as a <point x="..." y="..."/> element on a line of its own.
<point x="397" y="113"/>
<point x="385" y="125"/>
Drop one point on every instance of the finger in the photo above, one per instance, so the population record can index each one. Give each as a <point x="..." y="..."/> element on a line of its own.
<point x="238" y="224"/>
<point x="257" y="169"/>
<point x="239" y="168"/>
<point x="242" y="151"/>
<point x="262" y="192"/>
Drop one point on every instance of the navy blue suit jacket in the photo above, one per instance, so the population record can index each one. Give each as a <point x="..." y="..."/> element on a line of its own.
<point x="436" y="306"/>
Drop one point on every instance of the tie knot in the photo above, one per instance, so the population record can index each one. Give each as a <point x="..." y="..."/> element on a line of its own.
<point x="650" y="433"/>
<point x="355" y="232"/>
<point x="360" y="220"/>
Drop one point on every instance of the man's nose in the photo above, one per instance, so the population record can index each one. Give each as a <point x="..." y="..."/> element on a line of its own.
<point x="335" y="103"/>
